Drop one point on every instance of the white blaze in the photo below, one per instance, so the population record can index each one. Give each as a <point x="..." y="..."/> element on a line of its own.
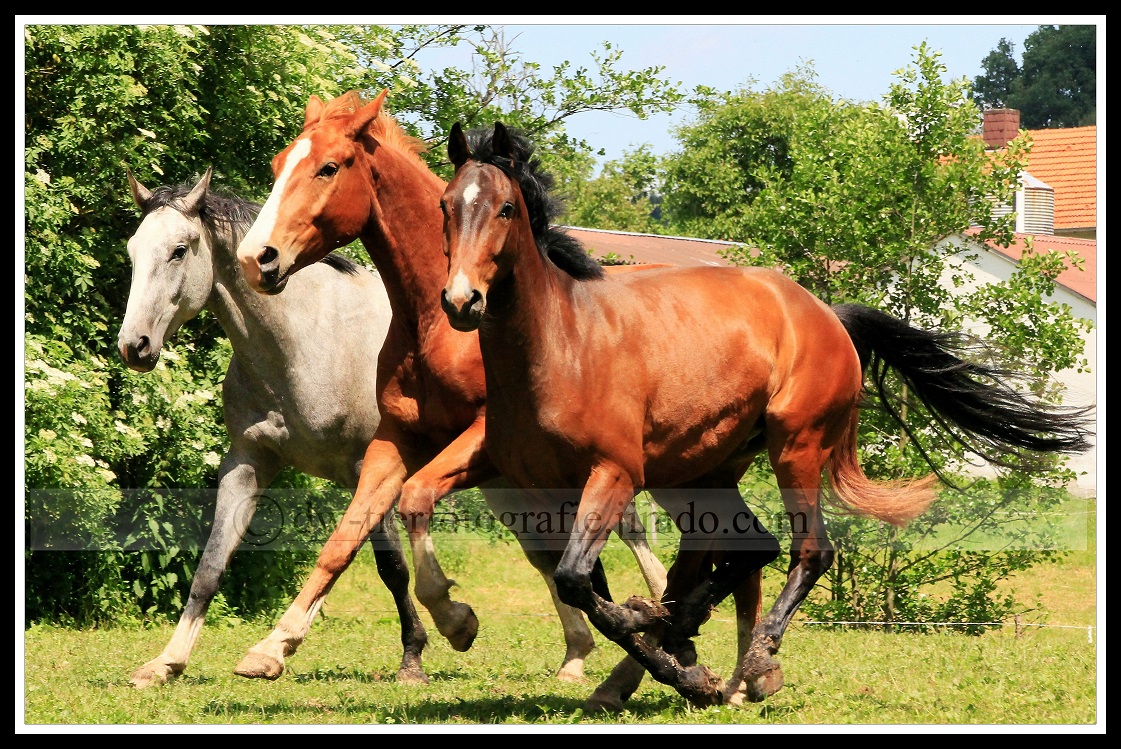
<point x="460" y="288"/>
<point x="266" y="219"/>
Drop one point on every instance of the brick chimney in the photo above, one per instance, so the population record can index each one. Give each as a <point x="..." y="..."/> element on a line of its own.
<point x="999" y="126"/>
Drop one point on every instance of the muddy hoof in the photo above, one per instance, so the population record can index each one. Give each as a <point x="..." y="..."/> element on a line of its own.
<point x="734" y="694"/>
<point x="648" y="610"/>
<point x="762" y="685"/>
<point x="701" y="686"/>
<point x="412" y="675"/>
<point x="259" y="666"/>
<point x="152" y="674"/>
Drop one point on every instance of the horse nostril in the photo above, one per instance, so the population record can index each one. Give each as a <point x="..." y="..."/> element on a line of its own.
<point x="476" y="296"/>
<point x="268" y="255"/>
<point x="143" y="345"/>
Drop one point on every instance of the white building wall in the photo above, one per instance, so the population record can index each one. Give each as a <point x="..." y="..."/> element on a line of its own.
<point x="1080" y="387"/>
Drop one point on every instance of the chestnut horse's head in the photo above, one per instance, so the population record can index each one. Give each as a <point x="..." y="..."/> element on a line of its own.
<point x="321" y="198"/>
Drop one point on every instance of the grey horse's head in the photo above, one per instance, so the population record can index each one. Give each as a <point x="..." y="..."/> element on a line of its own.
<point x="172" y="272"/>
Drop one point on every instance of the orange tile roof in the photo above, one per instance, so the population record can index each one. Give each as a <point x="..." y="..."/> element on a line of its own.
<point x="1083" y="282"/>
<point x="650" y="248"/>
<point x="635" y="248"/>
<point x="1066" y="159"/>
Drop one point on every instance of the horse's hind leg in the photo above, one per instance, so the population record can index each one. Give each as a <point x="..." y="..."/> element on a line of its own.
<point x="394" y="571"/>
<point x="633" y="534"/>
<point x="797" y="462"/>
<point x="240" y="481"/>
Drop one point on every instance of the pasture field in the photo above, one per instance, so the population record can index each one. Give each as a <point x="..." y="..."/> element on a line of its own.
<point x="343" y="673"/>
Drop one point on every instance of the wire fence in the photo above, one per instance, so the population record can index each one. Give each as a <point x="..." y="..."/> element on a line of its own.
<point x="1019" y="625"/>
<point x="1016" y="622"/>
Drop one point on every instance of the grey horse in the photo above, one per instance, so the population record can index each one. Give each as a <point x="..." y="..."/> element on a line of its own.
<point x="288" y="399"/>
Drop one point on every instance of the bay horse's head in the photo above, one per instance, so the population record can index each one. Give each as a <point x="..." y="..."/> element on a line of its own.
<point x="480" y="206"/>
<point x="172" y="269"/>
<point x="320" y="199"/>
<point x="498" y="203"/>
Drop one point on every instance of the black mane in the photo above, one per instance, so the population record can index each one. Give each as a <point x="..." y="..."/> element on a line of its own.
<point x="226" y="208"/>
<point x="564" y="251"/>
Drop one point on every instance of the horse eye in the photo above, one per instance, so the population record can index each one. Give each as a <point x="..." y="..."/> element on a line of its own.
<point x="328" y="170"/>
<point x="179" y="252"/>
<point x="507" y="210"/>
<point x="443" y="208"/>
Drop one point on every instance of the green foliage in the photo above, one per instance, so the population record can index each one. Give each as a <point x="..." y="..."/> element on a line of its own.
<point x="991" y="89"/>
<point x="622" y="198"/>
<point x="1057" y="85"/>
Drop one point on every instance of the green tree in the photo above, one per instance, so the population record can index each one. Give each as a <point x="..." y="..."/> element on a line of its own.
<point x="992" y="89"/>
<point x="1057" y="83"/>
<point x="870" y="203"/>
<point x="623" y="197"/>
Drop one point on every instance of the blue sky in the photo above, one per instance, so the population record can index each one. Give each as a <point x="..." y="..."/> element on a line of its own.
<point x="854" y="56"/>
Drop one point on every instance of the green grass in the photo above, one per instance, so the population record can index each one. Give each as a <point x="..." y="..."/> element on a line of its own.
<point x="343" y="673"/>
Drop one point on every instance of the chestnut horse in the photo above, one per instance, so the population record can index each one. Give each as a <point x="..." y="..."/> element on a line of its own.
<point x="353" y="172"/>
<point x="672" y="381"/>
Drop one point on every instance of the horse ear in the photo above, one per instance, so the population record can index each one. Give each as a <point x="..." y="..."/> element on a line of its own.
<point x="503" y="143"/>
<point x="312" y="111"/>
<point x="367" y="114"/>
<point x="140" y="193"/>
<point x="197" y="195"/>
<point x="458" y="151"/>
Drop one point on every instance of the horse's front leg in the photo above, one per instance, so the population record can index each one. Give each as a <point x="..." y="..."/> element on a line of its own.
<point x="379" y="485"/>
<point x="241" y="478"/>
<point x="604" y="498"/>
<point x="462" y="464"/>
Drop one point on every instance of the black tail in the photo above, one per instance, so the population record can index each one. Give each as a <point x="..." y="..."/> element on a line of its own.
<point x="973" y="402"/>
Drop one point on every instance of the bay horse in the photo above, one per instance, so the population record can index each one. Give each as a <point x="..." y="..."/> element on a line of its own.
<point x="286" y="401"/>
<point x="353" y="172"/>
<point x="672" y="381"/>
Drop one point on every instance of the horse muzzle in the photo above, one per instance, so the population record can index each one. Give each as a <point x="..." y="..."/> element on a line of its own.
<point x="139" y="353"/>
<point x="262" y="271"/>
<point x="464" y="311"/>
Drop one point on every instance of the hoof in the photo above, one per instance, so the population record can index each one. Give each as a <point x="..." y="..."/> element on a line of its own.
<point x="734" y="694"/>
<point x="763" y="685"/>
<point x="259" y="666"/>
<point x="153" y="674"/>
<point x="460" y="629"/>
<point x="604" y="702"/>
<point x="701" y="686"/>
<point x="648" y="610"/>
<point x="412" y="675"/>
<point x="571" y="672"/>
